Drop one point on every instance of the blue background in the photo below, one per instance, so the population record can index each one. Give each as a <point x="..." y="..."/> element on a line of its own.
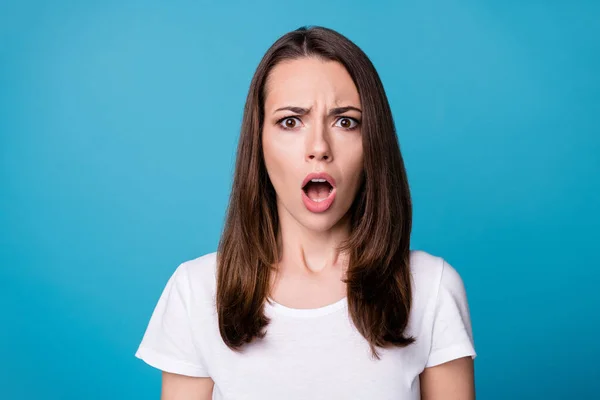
<point x="118" y="126"/>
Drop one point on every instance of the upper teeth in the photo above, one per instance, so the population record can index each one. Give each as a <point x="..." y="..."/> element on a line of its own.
<point x="318" y="180"/>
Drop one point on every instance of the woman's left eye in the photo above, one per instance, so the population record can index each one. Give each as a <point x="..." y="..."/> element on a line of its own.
<point x="346" y="123"/>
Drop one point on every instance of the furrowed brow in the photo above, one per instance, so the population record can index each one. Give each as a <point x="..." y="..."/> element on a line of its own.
<point x="340" y="110"/>
<point x="296" y="110"/>
<point x="332" y="112"/>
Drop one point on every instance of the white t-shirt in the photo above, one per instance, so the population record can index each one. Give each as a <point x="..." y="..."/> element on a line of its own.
<point x="307" y="353"/>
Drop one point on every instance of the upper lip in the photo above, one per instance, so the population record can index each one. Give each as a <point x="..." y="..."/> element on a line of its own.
<point x="318" y="175"/>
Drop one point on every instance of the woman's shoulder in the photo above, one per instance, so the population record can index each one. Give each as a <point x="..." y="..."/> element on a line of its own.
<point x="425" y="266"/>
<point x="430" y="273"/>
<point x="203" y="266"/>
<point x="197" y="276"/>
<point x="426" y="270"/>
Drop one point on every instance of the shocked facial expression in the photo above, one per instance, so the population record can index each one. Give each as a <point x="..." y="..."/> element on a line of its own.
<point x="311" y="139"/>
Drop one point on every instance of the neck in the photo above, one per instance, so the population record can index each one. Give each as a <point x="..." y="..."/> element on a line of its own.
<point x="309" y="251"/>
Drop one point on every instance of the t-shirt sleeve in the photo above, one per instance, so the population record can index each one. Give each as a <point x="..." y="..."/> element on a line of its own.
<point x="452" y="335"/>
<point x="168" y="343"/>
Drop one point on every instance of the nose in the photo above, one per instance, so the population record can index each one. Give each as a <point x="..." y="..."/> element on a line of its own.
<point x="317" y="146"/>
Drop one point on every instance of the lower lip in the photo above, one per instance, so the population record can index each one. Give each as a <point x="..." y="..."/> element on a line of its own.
<point x="321" y="206"/>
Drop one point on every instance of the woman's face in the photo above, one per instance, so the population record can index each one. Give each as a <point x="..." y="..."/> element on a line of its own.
<point x="312" y="124"/>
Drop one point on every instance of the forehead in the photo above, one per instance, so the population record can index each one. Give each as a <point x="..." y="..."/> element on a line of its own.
<point x="304" y="81"/>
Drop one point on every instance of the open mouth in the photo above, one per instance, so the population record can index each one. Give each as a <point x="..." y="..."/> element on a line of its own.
<point x="318" y="189"/>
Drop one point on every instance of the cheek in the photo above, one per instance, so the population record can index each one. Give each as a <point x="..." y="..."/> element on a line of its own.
<point x="356" y="166"/>
<point x="278" y="160"/>
<point x="272" y="161"/>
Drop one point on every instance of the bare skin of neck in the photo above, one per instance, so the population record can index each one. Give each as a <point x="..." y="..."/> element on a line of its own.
<point x="311" y="269"/>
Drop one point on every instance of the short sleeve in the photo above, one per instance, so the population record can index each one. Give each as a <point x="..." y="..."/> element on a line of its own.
<point x="452" y="335"/>
<point x="168" y="343"/>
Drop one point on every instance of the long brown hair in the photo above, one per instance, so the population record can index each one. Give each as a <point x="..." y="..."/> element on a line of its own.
<point x="378" y="277"/>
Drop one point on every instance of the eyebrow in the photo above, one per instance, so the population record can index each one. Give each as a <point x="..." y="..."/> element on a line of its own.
<point x="332" y="112"/>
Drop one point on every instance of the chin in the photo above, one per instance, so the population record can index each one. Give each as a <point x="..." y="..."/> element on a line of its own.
<point x="320" y="222"/>
<point x="320" y="228"/>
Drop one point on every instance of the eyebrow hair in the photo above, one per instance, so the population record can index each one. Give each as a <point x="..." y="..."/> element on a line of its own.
<point x="332" y="112"/>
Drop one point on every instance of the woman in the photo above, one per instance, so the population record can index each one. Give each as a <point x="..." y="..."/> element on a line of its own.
<point x="313" y="292"/>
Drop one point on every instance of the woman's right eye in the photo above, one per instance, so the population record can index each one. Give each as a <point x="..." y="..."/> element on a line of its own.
<point x="289" y="122"/>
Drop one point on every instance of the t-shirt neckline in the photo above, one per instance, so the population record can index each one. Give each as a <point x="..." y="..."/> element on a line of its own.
<point x="306" y="312"/>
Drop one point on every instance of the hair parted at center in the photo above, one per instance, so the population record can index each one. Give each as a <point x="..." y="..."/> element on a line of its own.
<point x="378" y="281"/>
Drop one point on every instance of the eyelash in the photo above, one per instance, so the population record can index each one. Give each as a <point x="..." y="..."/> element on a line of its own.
<point x="297" y="117"/>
